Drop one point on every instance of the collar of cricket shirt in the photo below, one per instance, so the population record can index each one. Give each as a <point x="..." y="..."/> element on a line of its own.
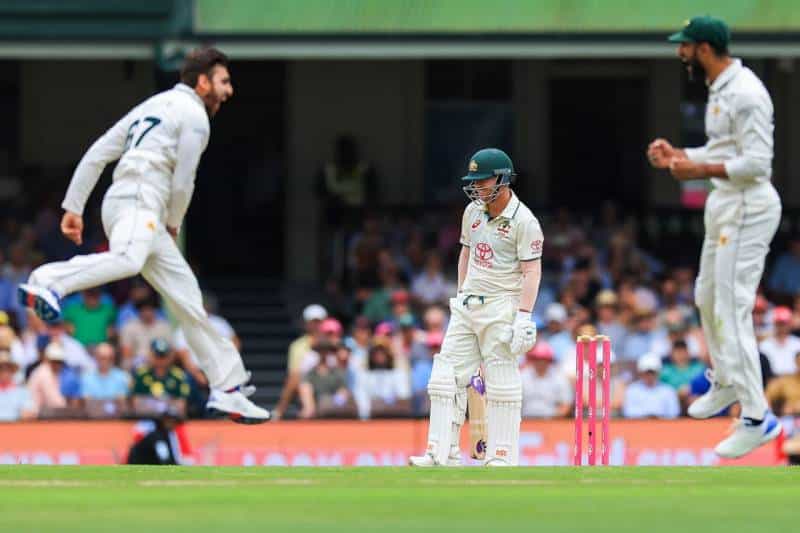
<point x="182" y="87"/>
<point x="726" y="75"/>
<point x="510" y="209"/>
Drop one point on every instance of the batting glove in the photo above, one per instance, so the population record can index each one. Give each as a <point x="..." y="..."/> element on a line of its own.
<point x="522" y="334"/>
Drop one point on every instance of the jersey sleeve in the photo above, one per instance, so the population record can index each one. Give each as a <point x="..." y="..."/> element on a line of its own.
<point x="466" y="220"/>
<point x="105" y="150"/>
<point x="192" y="141"/>
<point x="752" y="125"/>
<point x="530" y="241"/>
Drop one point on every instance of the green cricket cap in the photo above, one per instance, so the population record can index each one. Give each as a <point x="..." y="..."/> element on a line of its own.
<point x="487" y="163"/>
<point x="704" y="29"/>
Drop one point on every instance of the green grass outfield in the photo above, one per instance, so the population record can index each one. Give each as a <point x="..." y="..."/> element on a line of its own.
<point x="199" y="499"/>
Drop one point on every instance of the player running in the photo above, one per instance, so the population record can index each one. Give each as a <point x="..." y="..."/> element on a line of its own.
<point x="741" y="217"/>
<point x="499" y="270"/>
<point x="158" y="145"/>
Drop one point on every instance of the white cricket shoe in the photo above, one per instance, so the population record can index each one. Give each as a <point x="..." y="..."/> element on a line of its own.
<point x="236" y="407"/>
<point x="715" y="400"/>
<point x="495" y="461"/>
<point x="748" y="437"/>
<point x="42" y="301"/>
<point x="427" y="460"/>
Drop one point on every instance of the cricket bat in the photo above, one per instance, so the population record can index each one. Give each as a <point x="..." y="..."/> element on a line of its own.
<point x="476" y="407"/>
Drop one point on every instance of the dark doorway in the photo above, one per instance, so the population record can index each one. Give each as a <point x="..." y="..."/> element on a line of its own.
<point x="598" y="133"/>
<point x="236" y="222"/>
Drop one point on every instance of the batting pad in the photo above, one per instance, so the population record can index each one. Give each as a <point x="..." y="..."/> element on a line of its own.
<point x="442" y="392"/>
<point x="503" y="410"/>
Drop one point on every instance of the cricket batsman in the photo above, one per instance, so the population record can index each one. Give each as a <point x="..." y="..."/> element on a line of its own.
<point x="158" y="145"/>
<point x="499" y="270"/>
<point x="742" y="214"/>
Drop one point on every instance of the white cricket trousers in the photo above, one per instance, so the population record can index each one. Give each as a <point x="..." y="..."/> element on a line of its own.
<point x="139" y="243"/>
<point x="739" y="228"/>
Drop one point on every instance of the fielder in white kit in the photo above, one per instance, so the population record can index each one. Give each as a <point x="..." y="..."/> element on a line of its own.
<point x="158" y="145"/>
<point x="742" y="214"/>
<point x="499" y="271"/>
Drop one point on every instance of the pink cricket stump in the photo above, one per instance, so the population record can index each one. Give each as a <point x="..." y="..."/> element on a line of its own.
<point x="592" y="446"/>
<point x="579" y="357"/>
<point x="605" y="437"/>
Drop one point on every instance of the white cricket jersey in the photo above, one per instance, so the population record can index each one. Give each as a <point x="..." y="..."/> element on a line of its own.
<point x="497" y="246"/>
<point x="739" y="126"/>
<point x="158" y="144"/>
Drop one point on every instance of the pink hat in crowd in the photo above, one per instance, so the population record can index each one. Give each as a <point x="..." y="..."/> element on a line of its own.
<point x="782" y="315"/>
<point x="541" y="350"/>
<point x="383" y="329"/>
<point x="434" y="338"/>
<point x="331" y="326"/>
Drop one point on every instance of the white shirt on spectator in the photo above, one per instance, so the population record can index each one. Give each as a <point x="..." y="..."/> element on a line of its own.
<point x="430" y="289"/>
<point x="642" y="401"/>
<point x="75" y="355"/>
<point x="781" y="355"/>
<point x="542" y="395"/>
<point x="387" y="385"/>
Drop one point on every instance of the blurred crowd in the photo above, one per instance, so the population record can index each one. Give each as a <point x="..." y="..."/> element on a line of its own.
<point x="369" y="341"/>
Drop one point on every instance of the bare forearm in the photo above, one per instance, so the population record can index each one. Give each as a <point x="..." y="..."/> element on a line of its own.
<point x="463" y="263"/>
<point x="531" y="277"/>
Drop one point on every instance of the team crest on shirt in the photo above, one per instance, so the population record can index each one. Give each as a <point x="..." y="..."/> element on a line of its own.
<point x="484" y="254"/>
<point x="723" y="240"/>
<point x="504" y="228"/>
<point x="715" y="110"/>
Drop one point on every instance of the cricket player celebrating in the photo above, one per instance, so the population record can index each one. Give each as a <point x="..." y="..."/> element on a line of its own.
<point x="742" y="214"/>
<point x="158" y="145"/>
<point x="498" y="279"/>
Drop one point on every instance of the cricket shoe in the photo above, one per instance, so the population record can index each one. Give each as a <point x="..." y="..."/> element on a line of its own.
<point x="235" y="406"/>
<point x="748" y="436"/>
<point x="43" y="302"/>
<point x="496" y="461"/>
<point x="427" y="460"/>
<point x="715" y="400"/>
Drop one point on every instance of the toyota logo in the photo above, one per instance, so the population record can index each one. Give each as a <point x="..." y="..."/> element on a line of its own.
<point x="483" y="251"/>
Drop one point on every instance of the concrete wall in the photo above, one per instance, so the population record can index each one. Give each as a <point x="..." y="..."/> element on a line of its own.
<point x="382" y="105"/>
<point x="66" y="105"/>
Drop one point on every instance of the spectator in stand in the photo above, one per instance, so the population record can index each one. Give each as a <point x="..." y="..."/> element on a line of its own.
<point x="313" y="315"/>
<point x="647" y="397"/>
<point x="644" y="337"/>
<point x="406" y="341"/>
<point x="359" y="343"/>
<point x="137" y="337"/>
<point x="381" y="302"/>
<point x="546" y="391"/>
<point x="10" y="342"/>
<point x="331" y="330"/>
<point x="15" y="400"/>
<point x="160" y="382"/>
<point x="7" y="292"/>
<point x="430" y="286"/>
<point x="783" y="393"/>
<point x="557" y="335"/>
<point x="90" y="318"/>
<point x="680" y="370"/>
<point x="347" y="181"/>
<point x="324" y="388"/>
<point x="421" y="366"/>
<point x="75" y="354"/>
<point x="762" y="326"/>
<point x="785" y="278"/>
<point x="108" y="382"/>
<point x="608" y="324"/>
<point x="140" y="291"/>
<point x="434" y="319"/>
<point x="780" y="349"/>
<point x="18" y="267"/>
<point x="45" y="383"/>
<point x="385" y="389"/>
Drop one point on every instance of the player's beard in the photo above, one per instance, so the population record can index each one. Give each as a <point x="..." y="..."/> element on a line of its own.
<point x="695" y="70"/>
<point x="213" y="103"/>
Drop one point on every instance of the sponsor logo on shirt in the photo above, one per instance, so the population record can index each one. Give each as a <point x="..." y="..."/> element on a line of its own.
<point x="476" y="223"/>
<point x="536" y="246"/>
<point x="484" y="254"/>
